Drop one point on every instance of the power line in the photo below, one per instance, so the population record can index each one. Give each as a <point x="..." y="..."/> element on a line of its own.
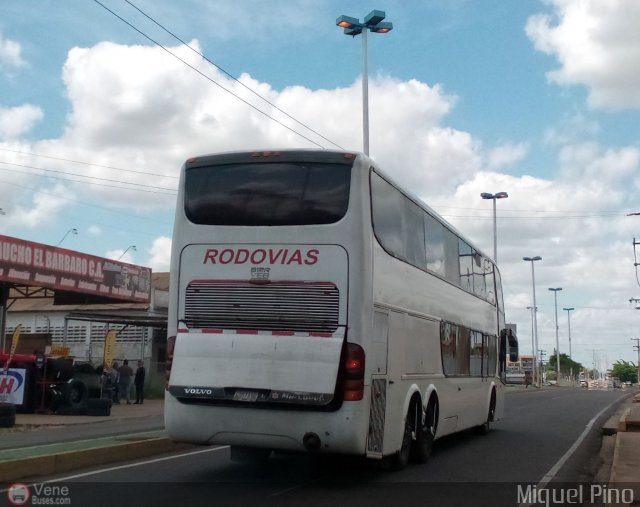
<point x="230" y="75"/>
<point x="207" y="77"/>
<point x="93" y="205"/>
<point x="172" y="190"/>
<point x="88" y="163"/>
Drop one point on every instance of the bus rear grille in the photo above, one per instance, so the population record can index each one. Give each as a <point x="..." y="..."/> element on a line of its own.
<point x="276" y="306"/>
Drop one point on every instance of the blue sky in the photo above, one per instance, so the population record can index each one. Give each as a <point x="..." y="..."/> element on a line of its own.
<point x="539" y="98"/>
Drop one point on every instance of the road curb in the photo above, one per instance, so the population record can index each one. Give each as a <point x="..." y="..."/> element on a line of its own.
<point x="20" y="468"/>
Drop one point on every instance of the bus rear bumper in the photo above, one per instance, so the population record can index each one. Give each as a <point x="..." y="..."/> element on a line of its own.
<point x="343" y="431"/>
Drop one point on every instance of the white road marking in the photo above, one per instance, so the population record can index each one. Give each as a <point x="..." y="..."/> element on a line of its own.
<point x="129" y="465"/>
<point x="560" y="463"/>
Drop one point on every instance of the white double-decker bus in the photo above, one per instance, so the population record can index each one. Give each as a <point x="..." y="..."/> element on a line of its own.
<point x="317" y="306"/>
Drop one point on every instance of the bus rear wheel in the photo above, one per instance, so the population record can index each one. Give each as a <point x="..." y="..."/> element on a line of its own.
<point x="410" y="447"/>
<point x="423" y="444"/>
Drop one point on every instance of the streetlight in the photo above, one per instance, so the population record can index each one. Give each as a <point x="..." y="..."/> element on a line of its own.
<point x="70" y="231"/>
<point x="568" y="310"/>
<point x="535" y="306"/>
<point x="352" y="26"/>
<point x="493" y="197"/>
<point x="555" y="298"/>
<point x="533" y="346"/>
<point x="132" y="248"/>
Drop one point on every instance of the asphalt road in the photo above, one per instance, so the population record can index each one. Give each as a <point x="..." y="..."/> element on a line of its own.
<point x="540" y="432"/>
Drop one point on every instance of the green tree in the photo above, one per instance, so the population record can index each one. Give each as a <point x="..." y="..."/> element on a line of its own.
<point x="626" y="371"/>
<point x="567" y="365"/>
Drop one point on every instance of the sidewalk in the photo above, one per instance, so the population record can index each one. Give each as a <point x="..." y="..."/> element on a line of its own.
<point x="118" y="412"/>
<point x="47" y="444"/>
<point x="625" y="467"/>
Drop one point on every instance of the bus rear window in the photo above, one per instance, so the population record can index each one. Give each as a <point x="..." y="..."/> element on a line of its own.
<point x="282" y="193"/>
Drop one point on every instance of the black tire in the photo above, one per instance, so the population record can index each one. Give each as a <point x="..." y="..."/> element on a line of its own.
<point x="400" y="459"/>
<point x="70" y="410"/>
<point x="7" y="421"/>
<point x="423" y="444"/>
<point x="100" y="403"/>
<point x="75" y="393"/>
<point x="7" y="409"/>
<point x="243" y="454"/>
<point x="485" y="428"/>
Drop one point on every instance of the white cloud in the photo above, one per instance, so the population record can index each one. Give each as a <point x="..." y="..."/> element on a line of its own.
<point x="17" y="121"/>
<point x="10" y="54"/>
<point x="44" y="208"/>
<point x="572" y="129"/>
<point x="94" y="230"/>
<point x="136" y="107"/>
<point x="597" y="44"/>
<point x="160" y="254"/>
<point x="506" y="155"/>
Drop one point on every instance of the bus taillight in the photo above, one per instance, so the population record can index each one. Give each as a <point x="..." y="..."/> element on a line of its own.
<point x="353" y="368"/>
<point x="171" y="345"/>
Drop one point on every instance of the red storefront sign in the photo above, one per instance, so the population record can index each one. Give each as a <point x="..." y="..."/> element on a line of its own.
<point x="28" y="263"/>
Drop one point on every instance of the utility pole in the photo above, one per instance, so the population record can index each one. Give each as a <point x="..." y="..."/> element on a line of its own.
<point x="637" y="347"/>
<point x="541" y="353"/>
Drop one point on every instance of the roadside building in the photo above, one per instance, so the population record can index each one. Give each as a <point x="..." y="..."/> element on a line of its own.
<point x="81" y="328"/>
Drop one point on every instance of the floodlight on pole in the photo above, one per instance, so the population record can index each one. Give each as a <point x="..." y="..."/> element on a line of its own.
<point x="494" y="197"/>
<point x="352" y="26"/>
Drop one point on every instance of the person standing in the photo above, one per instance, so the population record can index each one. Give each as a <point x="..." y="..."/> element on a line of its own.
<point x="124" y="383"/>
<point x="139" y="382"/>
<point x="113" y="382"/>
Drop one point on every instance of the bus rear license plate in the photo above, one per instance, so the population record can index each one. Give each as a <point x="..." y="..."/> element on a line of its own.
<point x="245" y="396"/>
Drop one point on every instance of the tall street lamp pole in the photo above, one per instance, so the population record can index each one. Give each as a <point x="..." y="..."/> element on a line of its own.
<point x="499" y="195"/>
<point x="637" y="347"/>
<point x="352" y="26"/>
<point x="569" y="310"/>
<point x="555" y="298"/>
<point x="535" y="306"/>
<point x="132" y="248"/>
<point x="533" y="346"/>
<point x="70" y="231"/>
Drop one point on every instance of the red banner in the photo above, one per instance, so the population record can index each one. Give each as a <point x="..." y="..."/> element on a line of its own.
<point x="27" y="263"/>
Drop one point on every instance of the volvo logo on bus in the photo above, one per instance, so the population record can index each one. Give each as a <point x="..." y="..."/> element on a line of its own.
<point x="193" y="390"/>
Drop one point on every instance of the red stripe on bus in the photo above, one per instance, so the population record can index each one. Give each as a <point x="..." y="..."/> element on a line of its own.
<point x="296" y="282"/>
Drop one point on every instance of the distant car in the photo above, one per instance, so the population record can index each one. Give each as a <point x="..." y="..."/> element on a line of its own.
<point x="584" y="384"/>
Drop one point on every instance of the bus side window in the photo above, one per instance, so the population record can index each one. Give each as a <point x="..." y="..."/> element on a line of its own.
<point x="490" y="281"/>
